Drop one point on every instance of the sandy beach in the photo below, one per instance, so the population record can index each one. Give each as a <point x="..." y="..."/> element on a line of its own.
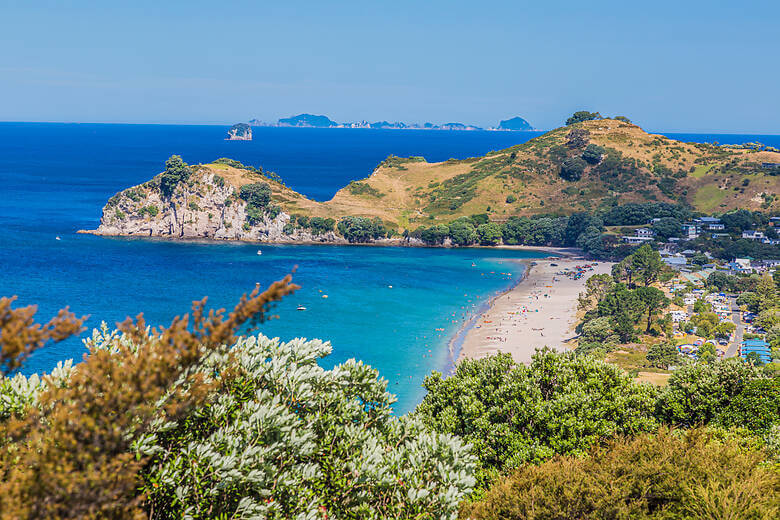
<point x="540" y="311"/>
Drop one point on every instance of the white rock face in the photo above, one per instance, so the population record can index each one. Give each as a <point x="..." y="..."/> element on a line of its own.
<point x="201" y="207"/>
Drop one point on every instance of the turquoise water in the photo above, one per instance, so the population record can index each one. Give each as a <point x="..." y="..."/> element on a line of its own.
<point x="55" y="178"/>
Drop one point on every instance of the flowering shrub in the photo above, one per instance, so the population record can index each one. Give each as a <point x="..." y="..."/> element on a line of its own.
<point x="281" y="437"/>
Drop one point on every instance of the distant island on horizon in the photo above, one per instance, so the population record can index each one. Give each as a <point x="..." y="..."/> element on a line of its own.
<point x="514" y="124"/>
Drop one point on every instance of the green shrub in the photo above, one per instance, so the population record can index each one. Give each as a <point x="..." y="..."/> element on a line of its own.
<point x="698" y="392"/>
<point x="573" y="168"/>
<point x="582" y="115"/>
<point x="363" y="188"/>
<point x="193" y="206"/>
<point x="593" y="153"/>
<point x="150" y="210"/>
<point x="511" y="199"/>
<point x="513" y="414"/>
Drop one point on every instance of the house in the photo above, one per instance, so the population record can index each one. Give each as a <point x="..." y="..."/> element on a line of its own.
<point x="711" y="223"/>
<point x="774" y="221"/>
<point x="753" y="235"/>
<point x="675" y="262"/>
<point x="740" y="266"/>
<point x="691" y="230"/>
<point x="689" y="252"/>
<point x="678" y="316"/>
<point x="640" y="236"/>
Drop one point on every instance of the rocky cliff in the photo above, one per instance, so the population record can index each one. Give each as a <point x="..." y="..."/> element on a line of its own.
<point x="205" y="205"/>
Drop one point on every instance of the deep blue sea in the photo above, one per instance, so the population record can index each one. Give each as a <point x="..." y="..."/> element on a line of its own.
<point x="55" y="178"/>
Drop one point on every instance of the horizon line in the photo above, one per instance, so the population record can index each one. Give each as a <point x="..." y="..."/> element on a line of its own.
<point x="710" y="132"/>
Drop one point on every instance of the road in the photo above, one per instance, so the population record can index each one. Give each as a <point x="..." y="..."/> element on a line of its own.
<point x="737" y="319"/>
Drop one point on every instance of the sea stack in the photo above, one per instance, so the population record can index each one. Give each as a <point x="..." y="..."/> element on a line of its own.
<point x="240" y="132"/>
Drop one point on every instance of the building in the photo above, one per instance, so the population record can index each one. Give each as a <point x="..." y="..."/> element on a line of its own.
<point x="675" y="262"/>
<point x="754" y="235"/>
<point x="691" y="230"/>
<point x="640" y="236"/>
<point x="740" y="266"/>
<point x="758" y="346"/>
<point x="711" y="223"/>
<point x="774" y="221"/>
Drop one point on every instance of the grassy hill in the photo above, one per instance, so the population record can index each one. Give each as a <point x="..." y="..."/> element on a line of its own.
<point x="626" y="165"/>
<point x="582" y="167"/>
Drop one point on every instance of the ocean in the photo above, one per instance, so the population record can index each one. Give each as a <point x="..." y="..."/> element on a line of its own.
<point x="393" y="308"/>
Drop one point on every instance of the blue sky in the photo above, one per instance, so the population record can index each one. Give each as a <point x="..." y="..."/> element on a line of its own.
<point x="684" y="65"/>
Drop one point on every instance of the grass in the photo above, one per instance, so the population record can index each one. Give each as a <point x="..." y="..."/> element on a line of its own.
<point x="708" y="197"/>
<point x="700" y="171"/>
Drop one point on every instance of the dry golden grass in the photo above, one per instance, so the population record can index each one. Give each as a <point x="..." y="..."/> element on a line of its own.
<point x="407" y="192"/>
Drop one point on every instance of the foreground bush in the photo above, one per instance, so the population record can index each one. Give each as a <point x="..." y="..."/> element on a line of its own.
<point x="513" y="414"/>
<point x="665" y="476"/>
<point x="275" y="436"/>
<point x="283" y="438"/>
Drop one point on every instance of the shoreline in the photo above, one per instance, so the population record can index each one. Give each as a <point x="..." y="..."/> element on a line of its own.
<point x="566" y="252"/>
<point x="455" y="344"/>
<point x="538" y="311"/>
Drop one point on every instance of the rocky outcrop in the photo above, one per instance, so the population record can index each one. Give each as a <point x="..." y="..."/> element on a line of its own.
<point x="240" y="132"/>
<point x="203" y="207"/>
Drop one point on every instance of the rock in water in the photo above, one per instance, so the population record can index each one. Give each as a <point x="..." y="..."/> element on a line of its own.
<point x="240" y="132"/>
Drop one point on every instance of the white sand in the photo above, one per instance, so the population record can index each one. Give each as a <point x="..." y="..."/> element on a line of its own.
<point x="539" y="312"/>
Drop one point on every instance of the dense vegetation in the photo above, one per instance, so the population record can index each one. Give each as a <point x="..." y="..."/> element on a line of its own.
<point x="176" y="171"/>
<point x="693" y="475"/>
<point x="173" y="423"/>
<point x="512" y="414"/>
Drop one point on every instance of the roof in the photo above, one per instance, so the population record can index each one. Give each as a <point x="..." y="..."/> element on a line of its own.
<point x="755" y="343"/>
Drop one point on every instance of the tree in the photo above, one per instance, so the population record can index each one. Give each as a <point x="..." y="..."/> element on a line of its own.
<point x="663" y="355"/>
<point x="257" y="194"/>
<point x="577" y="224"/>
<point x="692" y="475"/>
<point x="654" y="300"/>
<point x="646" y="265"/>
<point x="582" y="115"/>
<point x="176" y="171"/>
<point x="697" y="392"/>
<point x="724" y="329"/>
<point x="489" y="234"/>
<point x="667" y="227"/>
<point x="738" y="221"/>
<point x="512" y="414"/>
<point x="766" y="292"/>
<point x="622" y="118"/>
<point x="576" y="138"/>
<point x="435" y="235"/>
<point x="300" y="442"/>
<point x="756" y="408"/>
<point x="596" y="287"/>
<point x="573" y="168"/>
<point x="463" y="232"/>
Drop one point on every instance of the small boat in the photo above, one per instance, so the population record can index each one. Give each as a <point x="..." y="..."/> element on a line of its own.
<point x="301" y="308"/>
<point x="57" y="238"/>
<point x="259" y="252"/>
